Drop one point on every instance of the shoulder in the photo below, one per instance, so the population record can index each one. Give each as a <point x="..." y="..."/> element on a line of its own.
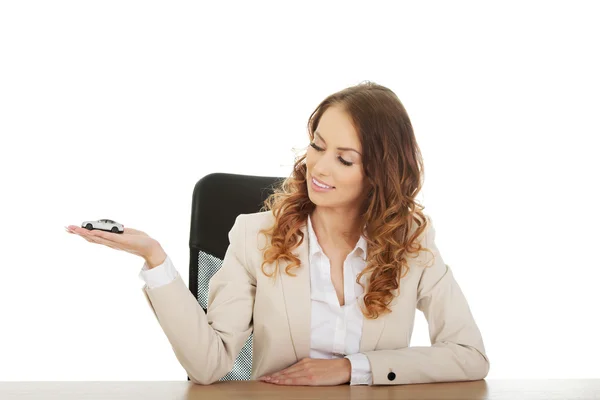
<point x="425" y="238"/>
<point x="427" y="234"/>
<point x="258" y="220"/>
<point x="253" y="223"/>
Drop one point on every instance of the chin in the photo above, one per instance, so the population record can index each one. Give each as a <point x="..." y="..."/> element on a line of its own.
<point x="315" y="199"/>
<point x="320" y="202"/>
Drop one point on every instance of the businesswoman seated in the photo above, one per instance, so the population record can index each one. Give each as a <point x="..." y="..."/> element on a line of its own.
<point x="329" y="275"/>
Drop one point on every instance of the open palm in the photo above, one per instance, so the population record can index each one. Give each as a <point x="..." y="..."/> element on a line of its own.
<point x="131" y="240"/>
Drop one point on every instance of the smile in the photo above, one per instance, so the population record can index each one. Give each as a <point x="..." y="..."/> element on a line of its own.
<point x="321" y="185"/>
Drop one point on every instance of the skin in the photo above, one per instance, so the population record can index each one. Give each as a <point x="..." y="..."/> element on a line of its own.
<point x="131" y="240"/>
<point x="336" y="215"/>
<point x="335" y="222"/>
<point x="337" y="226"/>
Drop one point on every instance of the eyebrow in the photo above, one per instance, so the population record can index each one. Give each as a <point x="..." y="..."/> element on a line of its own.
<point x="339" y="148"/>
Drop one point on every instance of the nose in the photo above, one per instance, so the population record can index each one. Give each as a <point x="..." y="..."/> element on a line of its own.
<point x="321" y="167"/>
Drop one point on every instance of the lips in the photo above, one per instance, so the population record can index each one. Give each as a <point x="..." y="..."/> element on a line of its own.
<point x="323" y="183"/>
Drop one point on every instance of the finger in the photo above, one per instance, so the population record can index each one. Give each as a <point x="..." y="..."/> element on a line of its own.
<point x="284" y="373"/>
<point x="300" y="381"/>
<point x="106" y="236"/>
<point x="290" y="370"/>
<point x="132" y="231"/>
<point x="294" y="373"/>
<point x="78" y="230"/>
<point x="87" y="238"/>
<point x="97" y="239"/>
<point x="71" y="229"/>
<point x="90" y="236"/>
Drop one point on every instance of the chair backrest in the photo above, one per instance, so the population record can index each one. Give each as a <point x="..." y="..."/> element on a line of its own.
<point x="217" y="201"/>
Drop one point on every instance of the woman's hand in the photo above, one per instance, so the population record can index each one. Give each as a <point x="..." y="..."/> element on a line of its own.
<point x="131" y="240"/>
<point x="313" y="372"/>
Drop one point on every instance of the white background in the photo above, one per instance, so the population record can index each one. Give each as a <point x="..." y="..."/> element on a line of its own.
<point x="115" y="109"/>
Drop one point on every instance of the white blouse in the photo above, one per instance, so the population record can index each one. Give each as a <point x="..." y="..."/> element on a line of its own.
<point x="335" y="330"/>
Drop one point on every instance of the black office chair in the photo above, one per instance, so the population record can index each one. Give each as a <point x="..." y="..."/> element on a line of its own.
<point x="217" y="200"/>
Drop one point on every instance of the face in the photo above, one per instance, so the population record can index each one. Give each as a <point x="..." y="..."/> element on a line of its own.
<point x="334" y="159"/>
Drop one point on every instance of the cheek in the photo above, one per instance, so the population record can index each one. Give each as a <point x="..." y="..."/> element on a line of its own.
<point x="350" y="180"/>
<point x="309" y="165"/>
<point x="310" y="160"/>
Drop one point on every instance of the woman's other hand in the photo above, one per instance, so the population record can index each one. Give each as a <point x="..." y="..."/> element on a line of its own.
<point x="313" y="372"/>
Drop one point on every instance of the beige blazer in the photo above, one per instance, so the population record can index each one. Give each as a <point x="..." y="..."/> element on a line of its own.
<point x="243" y="300"/>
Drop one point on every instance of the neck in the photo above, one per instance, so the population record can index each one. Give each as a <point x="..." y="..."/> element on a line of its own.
<point x="336" y="227"/>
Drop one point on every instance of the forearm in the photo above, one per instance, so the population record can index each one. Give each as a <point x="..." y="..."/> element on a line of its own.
<point x="442" y="362"/>
<point x="200" y="350"/>
<point x="156" y="257"/>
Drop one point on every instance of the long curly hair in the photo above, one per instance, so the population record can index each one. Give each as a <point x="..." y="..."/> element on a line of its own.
<point x="394" y="170"/>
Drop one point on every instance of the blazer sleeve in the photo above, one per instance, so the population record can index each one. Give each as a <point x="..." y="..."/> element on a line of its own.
<point x="457" y="352"/>
<point x="207" y="344"/>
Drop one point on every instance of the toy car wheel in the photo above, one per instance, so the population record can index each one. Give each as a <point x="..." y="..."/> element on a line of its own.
<point x="89" y="227"/>
<point x="114" y="229"/>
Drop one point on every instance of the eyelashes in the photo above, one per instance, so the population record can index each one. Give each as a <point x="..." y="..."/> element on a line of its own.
<point x="317" y="148"/>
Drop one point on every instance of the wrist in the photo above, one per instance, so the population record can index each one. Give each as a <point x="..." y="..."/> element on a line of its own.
<point x="156" y="257"/>
<point x="348" y="369"/>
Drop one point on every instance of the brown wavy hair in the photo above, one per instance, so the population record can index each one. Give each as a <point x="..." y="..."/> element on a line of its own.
<point x="394" y="170"/>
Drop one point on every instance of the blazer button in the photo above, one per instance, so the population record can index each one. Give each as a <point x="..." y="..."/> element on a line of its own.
<point x="391" y="376"/>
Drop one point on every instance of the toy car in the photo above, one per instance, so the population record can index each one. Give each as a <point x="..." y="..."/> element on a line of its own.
<point x="104" y="225"/>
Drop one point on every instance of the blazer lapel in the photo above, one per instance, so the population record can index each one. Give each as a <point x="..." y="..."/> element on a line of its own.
<point x="296" y="294"/>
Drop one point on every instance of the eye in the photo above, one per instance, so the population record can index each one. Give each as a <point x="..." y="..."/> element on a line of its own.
<point x="317" y="148"/>
<point x="348" y="163"/>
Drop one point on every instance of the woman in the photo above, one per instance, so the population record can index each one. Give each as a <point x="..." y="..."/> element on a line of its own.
<point x="329" y="275"/>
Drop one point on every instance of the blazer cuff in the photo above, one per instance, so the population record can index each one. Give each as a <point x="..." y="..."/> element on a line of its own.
<point x="361" y="369"/>
<point x="160" y="275"/>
